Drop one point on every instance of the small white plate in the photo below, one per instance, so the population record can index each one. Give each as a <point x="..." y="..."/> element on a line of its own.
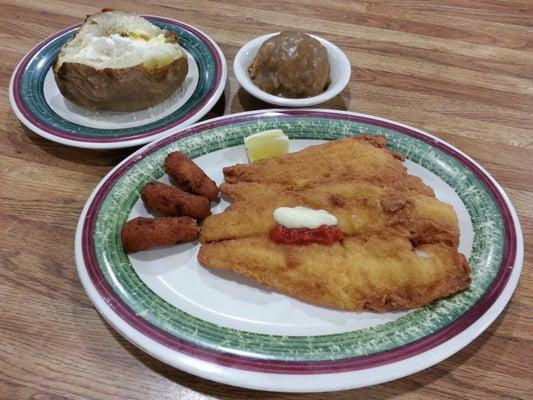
<point x="340" y="71"/>
<point x="37" y="102"/>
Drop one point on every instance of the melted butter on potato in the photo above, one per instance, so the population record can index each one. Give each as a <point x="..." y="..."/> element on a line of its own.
<point x="121" y="43"/>
<point x="137" y="35"/>
<point x="110" y="64"/>
<point x="124" y="50"/>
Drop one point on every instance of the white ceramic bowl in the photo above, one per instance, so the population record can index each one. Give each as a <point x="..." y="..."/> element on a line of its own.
<point x="339" y="70"/>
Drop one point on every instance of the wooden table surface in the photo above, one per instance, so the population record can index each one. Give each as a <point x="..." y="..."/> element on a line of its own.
<point x="462" y="70"/>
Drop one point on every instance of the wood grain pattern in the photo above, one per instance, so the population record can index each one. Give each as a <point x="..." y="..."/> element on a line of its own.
<point x="462" y="70"/>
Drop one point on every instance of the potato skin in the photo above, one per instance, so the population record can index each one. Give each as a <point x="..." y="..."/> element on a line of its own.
<point x="119" y="89"/>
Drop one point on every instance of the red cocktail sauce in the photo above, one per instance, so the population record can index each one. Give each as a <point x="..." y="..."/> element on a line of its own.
<point x="324" y="234"/>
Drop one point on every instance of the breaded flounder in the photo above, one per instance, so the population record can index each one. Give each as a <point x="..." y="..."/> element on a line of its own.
<point x="376" y="274"/>
<point x="360" y="207"/>
<point x="399" y="249"/>
<point x="358" y="158"/>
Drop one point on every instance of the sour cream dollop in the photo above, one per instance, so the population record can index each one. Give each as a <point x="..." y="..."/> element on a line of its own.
<point x="303" y="217"/>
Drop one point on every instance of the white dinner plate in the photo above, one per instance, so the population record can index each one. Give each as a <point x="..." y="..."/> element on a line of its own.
<point x="227" y="329"/>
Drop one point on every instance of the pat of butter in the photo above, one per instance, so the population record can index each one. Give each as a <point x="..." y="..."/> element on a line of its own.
<point x="303" y="217"/>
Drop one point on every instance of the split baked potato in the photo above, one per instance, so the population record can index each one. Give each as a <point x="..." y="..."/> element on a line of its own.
<point x="119" y="62"/>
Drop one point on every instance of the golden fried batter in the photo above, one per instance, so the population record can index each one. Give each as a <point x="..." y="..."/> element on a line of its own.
<point x="376" y="274"/>
<point x="400" y="243"/>
<point x="358" y="158"/>
<point x="361" y="208"/>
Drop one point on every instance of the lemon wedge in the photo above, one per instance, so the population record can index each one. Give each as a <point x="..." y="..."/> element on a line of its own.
<point x="266" y="144"/>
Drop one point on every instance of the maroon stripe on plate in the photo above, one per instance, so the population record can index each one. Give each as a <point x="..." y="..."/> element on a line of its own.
<point x="21" y="105"/>
<point x="300" y="367"/>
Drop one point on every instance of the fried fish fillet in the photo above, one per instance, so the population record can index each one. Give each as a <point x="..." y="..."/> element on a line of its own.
<point x="399" y="249"/>
<point x="361" y="208"/>
<point x="375" y="274"/>
<point x="357" y="158"/>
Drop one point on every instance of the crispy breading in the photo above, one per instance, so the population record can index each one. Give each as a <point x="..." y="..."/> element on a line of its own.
<point x="190" y="176"/>
<point x="171" y="201"/>
<point x="357" y="158"/>
<point x="144" y="233"/>
<point x="377" y="274"/>
<point x="399" y="249"/>
<point x="361" y="208"/>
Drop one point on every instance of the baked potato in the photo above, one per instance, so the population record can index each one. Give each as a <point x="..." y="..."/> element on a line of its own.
<point x="119" y="62"/>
